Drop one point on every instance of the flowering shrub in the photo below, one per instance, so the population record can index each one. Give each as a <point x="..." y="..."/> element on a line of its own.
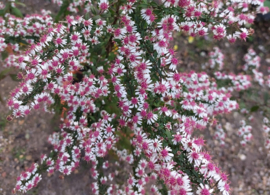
<point x="113" y="75"/>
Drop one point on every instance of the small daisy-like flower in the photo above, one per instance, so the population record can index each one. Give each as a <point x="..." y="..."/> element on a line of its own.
<point x="134" y="102"/>
<point x="147" y="15"/>
<point x="100" y="22"/>
<point x="224" y="187"/>
<point x="165" y="154"/>
<point x="103" y="5"/>
<point x="66" y="170"/>
<point x="155" y="145"/>
<point x="60" y="42"/>
<point x="98" y="32"/>
<point x="128" y="8"/>
<point x="161" y="47"/>
<point x="94" y="40"/>
<point x="204" y="190"/>
<point x="151" y="117"/>
<point x="194" y="157"/>
<point x="177" y="138"/>
<point x="75" y="37"/>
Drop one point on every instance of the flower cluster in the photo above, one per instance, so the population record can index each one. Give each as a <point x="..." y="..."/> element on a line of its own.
<point x="220" y="134"/>
<point x="235" y="82"/>
<point x="32" y="176"/>
<point x="2" y="5"/>
<point x="266" y="131"/>
<point x="253" y="63"/>
<point x="225" y="15"/>
<point x="267" y="81"/>
<point x="245" y="132"/>
<point x="252" y="60"/>
<point x="96" y="134"/>
<point x="76" y="5"/>
<point x="216" y="58"/>
<point x="114" y="77"/>
<point x="23" y="31"/>
<point x="258" y="77"/>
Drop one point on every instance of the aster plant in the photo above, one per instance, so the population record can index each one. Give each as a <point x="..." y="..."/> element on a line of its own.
<point x="113" y="75"/>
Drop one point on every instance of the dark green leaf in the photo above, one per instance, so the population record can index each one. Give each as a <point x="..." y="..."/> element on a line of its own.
<point x="19" y="3"/>
<point x="267" y="3"/>
<point x="1" y="100"/>
<point x="168" y="133"/>
<point x="254" y="108"/>
<point x="265" y="97"/>
<point x="62" y="11"/>
<point x="93" y="10"/>
<point x="96" y="17"/>
<point x="16" y="12"/>
<point x="4" y="73"/>
<point x="14" y="77"/>
<point x="4" y="55"/>
<point x="2" y="12"/>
